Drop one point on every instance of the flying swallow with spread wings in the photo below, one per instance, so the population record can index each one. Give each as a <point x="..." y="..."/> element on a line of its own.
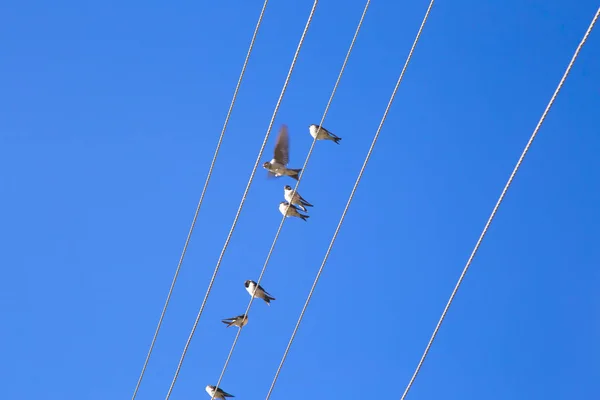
<point x="278" y="165"/>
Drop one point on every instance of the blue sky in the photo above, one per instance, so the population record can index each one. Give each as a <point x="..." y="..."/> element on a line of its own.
<point x="109" y="115"/>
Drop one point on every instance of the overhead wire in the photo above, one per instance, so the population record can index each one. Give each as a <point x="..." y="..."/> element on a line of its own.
<point x="500" y="199"/>
<point x="210" y="170"/>
<point x="343" y="216"/>
<point x="283" y="90"/>
<point x="297" y="183"/>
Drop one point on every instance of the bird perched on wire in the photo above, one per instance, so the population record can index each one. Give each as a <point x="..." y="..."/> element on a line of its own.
<point x="257" y="291"/>
<point x="323" y="134"/>
<point x="239" y="321"/>
<point x="290" y="210"/>
<point x="281" y="156"/>
<point x="298" y="200"/>
<point x="216" y="392"/>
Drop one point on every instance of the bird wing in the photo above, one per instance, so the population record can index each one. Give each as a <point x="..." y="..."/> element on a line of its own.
<point x="331" y="134"/>
<point x="264" y="291"/>
<point x="282" y="146"/>
<point x="327" y="132"/>
<point x="302" y="199"/>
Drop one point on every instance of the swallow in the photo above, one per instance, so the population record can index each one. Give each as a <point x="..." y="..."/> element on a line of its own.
<point x="298" y="200"/>
<point x="258" y="292"/>
<point x="239" y="321"/>
<point x="324" y="134"/>
<point x="277" y="166"/>
<point x="216" y="392"/>
<point x="290" y="210"/>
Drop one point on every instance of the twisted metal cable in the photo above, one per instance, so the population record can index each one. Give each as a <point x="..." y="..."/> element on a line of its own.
<point x="212" y="280"/>
<point x="210" y="170"/>
<point x="500" y="199"/>
<point x="360" y="174"/>
<point x="294" y="191"/>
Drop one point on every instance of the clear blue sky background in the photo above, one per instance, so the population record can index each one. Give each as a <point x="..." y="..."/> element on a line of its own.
<point x="109" y="115"/>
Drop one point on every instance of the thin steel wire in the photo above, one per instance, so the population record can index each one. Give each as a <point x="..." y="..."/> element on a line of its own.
<point x="210" y="170"/>
<point x="212" y="280"/>
<point x="508" y="183"/>
<point x="360" y="174"/>
<point x="300" y="177"/>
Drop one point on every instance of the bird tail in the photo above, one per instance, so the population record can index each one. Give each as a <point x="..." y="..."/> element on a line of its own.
<point x="304" y="217"/>
<point x="336" y="139"/>
<point x="228" y="323"/>
<point x="294" y="173"/>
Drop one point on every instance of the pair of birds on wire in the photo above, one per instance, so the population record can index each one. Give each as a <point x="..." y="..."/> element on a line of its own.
<point x="277" y="167"/>
<point x="255" y="291"/>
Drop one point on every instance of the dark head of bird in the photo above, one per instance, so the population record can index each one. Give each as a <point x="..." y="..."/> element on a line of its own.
<point x="266" y="164"/>
<point x="288" y="187"/>
<point x="247" y="283"/>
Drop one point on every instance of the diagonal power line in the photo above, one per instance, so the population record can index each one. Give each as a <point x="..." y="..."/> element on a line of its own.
<point x="360" y="174"/>
<point x="212" y="280"/>
<point x="493" y="214"/>
<point x="300" y="177"/>
<point x="210" y="170"/>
